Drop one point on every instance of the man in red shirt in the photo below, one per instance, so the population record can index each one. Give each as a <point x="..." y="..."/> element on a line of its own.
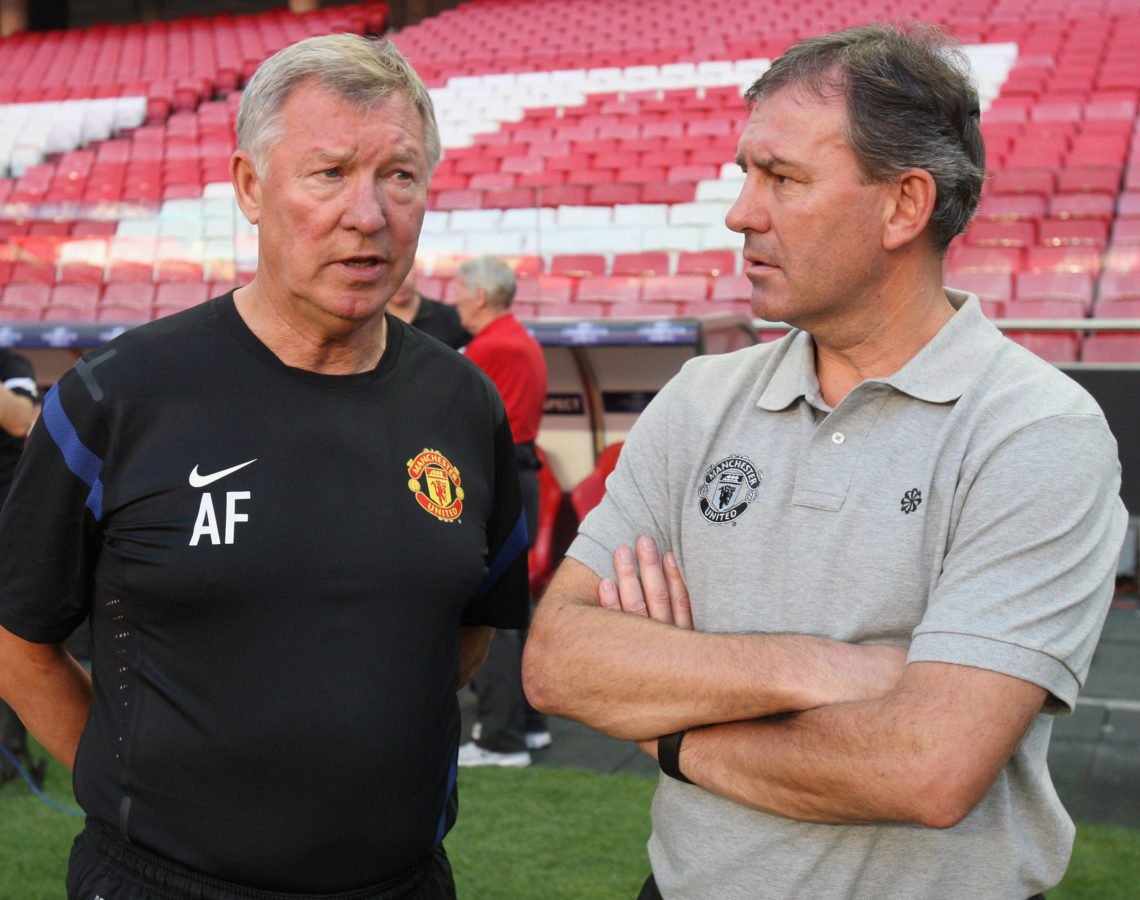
<point x="502" y="347"/>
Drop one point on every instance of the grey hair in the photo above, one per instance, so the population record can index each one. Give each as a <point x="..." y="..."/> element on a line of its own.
<point x="492" y="275"/>
<point x="911" y="103"/>
<point x="361" y="70"/>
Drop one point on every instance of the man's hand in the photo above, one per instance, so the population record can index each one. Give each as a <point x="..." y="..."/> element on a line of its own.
<point x="649" y="586"/>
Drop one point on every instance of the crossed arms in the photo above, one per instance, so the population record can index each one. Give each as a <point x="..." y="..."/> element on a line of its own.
<point x="803" y="727"/>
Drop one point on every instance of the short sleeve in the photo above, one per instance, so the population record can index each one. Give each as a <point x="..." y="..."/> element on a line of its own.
<point x="50" y="522"/>
<point x="636" y="501"/>
<point x="1028" y="577"/>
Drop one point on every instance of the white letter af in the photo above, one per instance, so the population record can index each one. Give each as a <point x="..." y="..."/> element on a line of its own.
<point x="206" y="525"/>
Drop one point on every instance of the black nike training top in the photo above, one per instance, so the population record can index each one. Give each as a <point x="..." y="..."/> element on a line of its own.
<point x="277" y="564"/>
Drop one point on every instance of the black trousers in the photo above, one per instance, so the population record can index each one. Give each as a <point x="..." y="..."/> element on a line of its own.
<point x="102" y="867"/>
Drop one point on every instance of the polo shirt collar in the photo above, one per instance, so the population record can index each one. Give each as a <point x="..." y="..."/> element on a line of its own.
<point x="939" y="373"/>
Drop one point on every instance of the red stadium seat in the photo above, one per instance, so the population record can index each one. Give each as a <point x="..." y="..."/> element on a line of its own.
<point x="578" y="265"/>
<point x="643" y="309"/>
<point x="1083" y="206"/>
<point x="1046" y="309"/>
<point x="1117" y="287"/>
<point x="177" y="296"/>
<point x="525" y="266"/>
<point x="1071" y="258"/>
<point x="1089" y="179"/>
<point x="545" y="289"/>
<point x="589" y="491"/>
<point x="1015" y="181"/>
<point x="73" y="301"/>
<point x="541" y="556"/>
<point x="1043" y="286"/>
<point x="1051" y="346"/>
<point x="963" y="258"/>
<point x="645" y="265"/>
<point x="612" y="194"/>
<point x="1126" y="232"/>
<point x="24" y="300"/>
<point x="1012" y="206"/>
<point x="609" y="289"/>
<point x="994" y="287"/>
<point x="688" y="289"/>
<point x="991" y="233"/>
<point x="457" y="199"/>
<point x="707" y="262"/>
<point x="1111" y="348"/>
<point x="1074" y="232"/>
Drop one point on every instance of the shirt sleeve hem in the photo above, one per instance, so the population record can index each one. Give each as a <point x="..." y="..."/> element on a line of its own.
<point x="1001" y="656"/>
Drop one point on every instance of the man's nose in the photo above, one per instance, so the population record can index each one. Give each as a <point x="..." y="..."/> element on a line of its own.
<point x="748" y="212"/>
<point x="364" y="207"/>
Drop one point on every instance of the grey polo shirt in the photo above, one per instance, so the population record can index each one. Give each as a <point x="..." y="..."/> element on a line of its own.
<point x="967" y="507"/>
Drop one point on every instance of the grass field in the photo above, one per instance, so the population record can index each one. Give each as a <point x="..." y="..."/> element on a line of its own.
<point x="529" y="834"/>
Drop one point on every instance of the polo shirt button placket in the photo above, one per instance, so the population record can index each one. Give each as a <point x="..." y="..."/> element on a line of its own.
<point x="838" y="438"/>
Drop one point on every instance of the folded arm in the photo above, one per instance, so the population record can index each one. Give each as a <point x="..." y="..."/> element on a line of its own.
<point x="925" y="753"/>
<point x="633" y="677"/>
<point x="49" y="691"/>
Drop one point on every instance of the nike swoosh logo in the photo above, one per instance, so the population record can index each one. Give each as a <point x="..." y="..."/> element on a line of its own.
<point x="200" y="481"/>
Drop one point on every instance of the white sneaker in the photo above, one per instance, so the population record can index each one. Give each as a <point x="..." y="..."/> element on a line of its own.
<point x="535" y="740"/>
<point x="538" y="740"/>
<point x="471" y="754"/>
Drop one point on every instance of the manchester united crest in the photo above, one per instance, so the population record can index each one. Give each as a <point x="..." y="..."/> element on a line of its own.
<point x="727" y="488"/>
<point x="436" y="484"/>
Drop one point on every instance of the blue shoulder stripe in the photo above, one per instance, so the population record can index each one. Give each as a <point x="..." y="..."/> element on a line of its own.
<point x="84" y="464"/>
<point x="515" y="544"/>
<point x="452" y="778"/>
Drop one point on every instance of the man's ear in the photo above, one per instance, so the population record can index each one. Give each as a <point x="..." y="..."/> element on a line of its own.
<point x="912" y="200"/>
<point x="247" y="185"/>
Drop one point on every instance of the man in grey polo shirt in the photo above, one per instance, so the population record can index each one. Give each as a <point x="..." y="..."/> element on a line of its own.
<point x="898" y="531"/>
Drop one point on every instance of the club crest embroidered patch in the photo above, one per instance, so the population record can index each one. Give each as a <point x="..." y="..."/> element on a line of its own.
<point x="436" y="484"/>
<point x="727" y="488"/>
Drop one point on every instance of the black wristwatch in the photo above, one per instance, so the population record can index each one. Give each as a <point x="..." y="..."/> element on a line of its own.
<point x="669" y="755"/>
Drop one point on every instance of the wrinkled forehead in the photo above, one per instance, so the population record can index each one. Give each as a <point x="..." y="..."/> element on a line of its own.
<point x="795" y="119"/>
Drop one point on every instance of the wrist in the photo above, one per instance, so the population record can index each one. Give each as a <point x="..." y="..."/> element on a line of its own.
<point x="669" y="755"/>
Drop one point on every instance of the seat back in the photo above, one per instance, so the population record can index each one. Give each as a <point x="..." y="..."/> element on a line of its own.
<point x="592" y="488"/>
<point x="541" y="556"/>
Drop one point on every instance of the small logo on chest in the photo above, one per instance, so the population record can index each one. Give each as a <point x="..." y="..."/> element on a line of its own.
<point x="727" y="488"/>
<point x="436" y="484"/>
<point x="911" y="501"/>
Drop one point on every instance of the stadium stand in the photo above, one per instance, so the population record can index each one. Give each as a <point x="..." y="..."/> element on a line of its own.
<point x="591" y="142"/>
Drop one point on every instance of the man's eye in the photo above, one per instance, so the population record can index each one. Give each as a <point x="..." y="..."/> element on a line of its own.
<point x="780" y="179"/>
<point x="330" y="173"/>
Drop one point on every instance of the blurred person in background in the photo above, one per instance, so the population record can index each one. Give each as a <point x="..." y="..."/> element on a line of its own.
<point x="508" y="728"/>
<point x="295" y="523"/>
<point x="19" y="405"/>
<point x="437" y="319"/>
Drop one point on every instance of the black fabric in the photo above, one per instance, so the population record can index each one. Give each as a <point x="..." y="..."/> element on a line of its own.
<point x="101" y="866"/>
<point x="649" y="890"/>
<point x="526" y="455"/>
<point x="14" y="369"/>
<point x="276" y="651"/>
<point x="441" y="322"/>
